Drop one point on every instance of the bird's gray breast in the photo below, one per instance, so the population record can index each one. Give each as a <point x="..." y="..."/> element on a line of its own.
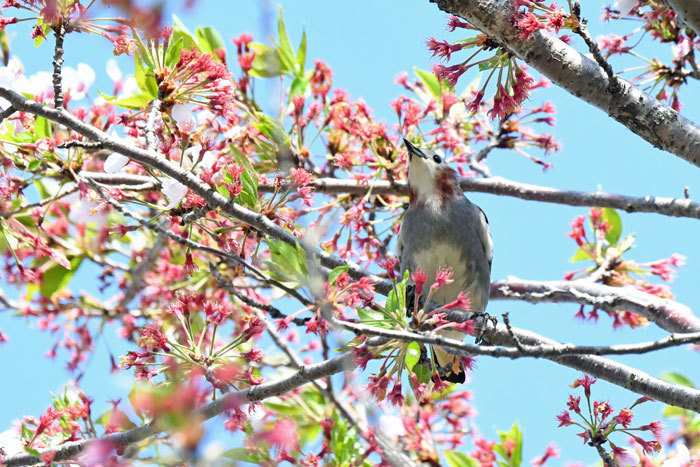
<point x="457" y="237"/>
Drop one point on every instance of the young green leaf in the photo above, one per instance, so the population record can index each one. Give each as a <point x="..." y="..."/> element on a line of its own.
<point x="613" y="219"/>
<point x="42" y="128"/>
<point x="301" y="53"/>
<point x="459" y="459"/>
<point x="267" y="62"/>
<point x="429" y="80"/>
<point x="57" y="277"/>
<point x="181" y="31"/>
<point x="412" y="355"/>
<point x="210" y="40"/>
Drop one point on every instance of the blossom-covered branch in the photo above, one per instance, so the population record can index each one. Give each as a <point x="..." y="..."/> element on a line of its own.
<point x="229" y="400"/>
<point x="644" y="115"/>
<point x="674" y="207"/>
<point x="668" y="314"/>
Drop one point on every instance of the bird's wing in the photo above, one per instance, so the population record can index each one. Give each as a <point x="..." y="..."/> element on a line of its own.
<point x="485" y="235"/>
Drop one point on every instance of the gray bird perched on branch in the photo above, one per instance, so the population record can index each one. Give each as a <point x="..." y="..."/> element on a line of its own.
<point x="442" y="228"/>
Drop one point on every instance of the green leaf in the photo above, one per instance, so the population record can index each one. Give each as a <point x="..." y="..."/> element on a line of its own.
<point x="422" y="373"/>
<point x="459" y="459"/>
<point x="336" y="273"/>
<point x="45" y="28"/>
<point x="133" y="102"/>
<point x="580" y="255"/>
<point x="181" y="31"/>
<point x="249" y="179"/>
<point x="370" y="316"/>
<point x="57" y="277"/>
<point x="287" y="259"/>
<point x="42" y="128"/>
<point x="267" y="62"/>
<point x="172" y="53"/>
<point x="273" y="129"/>
<point x="412" y="355"/>
<point x="240" y="454"/>
<point x="299" y="86"/>
<point x="396" y="300"/>
<point x="613" y="219"/>
<point x="429" y="80"/>
<point x="145" y="78"/>
<point x="33" y="165"/>
<point x="671" y="411"/>
<point x="489" y="64"/>
<point x="301" y="53"/>
<point x="106" y="418"/>
<point x="285" y="47"/>
<point x="676" y="378"/>
<point x="516" y="455"/>
<point x="209" y="40"/>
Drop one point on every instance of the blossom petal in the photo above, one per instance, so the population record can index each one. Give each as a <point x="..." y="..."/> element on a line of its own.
<point x="115" y="162"/>
<point x="182" y="114"/>
<point x="174" y="190"/>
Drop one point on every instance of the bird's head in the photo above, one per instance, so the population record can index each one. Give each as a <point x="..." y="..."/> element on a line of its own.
<point x="431" y="181"/>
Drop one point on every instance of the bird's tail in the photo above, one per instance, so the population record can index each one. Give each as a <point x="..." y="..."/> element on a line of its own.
<point x="449" y="367"/>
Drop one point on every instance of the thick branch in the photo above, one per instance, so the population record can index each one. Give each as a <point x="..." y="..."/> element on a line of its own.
<point x="501" y="186"/>
<point x="668" y="314"/>
<point x="614" y="372"/>
<point x="231" y="399"/>
<point x="689" y="13"/>
<point x="641" y="113"/>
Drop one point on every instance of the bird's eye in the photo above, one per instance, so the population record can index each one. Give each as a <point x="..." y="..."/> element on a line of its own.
<point x="437" y="159"/>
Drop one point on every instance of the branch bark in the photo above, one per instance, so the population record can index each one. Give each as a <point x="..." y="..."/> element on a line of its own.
<point x="500" y="186"/>
<point x="689" y="13"/>
<point x="231" y="399"/>
<point x="579" y="75"/>
<point x="668" y="314"/>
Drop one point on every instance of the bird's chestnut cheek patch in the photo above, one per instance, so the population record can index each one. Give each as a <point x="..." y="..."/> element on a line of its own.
<point x="447" y="185"/>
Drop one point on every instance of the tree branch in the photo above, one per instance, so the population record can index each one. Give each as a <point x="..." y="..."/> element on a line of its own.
<point x="688" y="12"/>
<point x="59" y="32"/>
<point x="641" y="113"/>
<point x="540" y="350"/>
<point x="668" y="314"/>
<point x="263" y="391"/>
<point x="501" y="186"/>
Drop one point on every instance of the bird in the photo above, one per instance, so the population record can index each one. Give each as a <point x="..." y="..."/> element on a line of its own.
<point x="441" y="228"/>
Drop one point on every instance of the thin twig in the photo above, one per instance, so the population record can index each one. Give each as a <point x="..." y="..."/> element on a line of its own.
<point x="231" y="289"/>
<point x="516" y="341"/>
<point x="139" y="271"/>
<point x="613" y="85"/>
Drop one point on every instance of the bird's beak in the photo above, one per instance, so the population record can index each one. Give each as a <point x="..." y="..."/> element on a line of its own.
<point x="413" y="150"/>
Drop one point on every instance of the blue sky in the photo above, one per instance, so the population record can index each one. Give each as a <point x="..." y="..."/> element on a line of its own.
<point x="367" y="44"/>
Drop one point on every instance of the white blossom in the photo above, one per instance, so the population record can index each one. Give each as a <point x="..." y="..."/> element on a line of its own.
<point x="174" y="191"/>
<point x="627" y="457"/>
<point x="78" y="81"/>
<point x="115" y="163"/>
<point x="680" y="458"/>
<point x="391" y="426"/>
<point x="113" y="71"/>
<point x="182" y="114"/>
